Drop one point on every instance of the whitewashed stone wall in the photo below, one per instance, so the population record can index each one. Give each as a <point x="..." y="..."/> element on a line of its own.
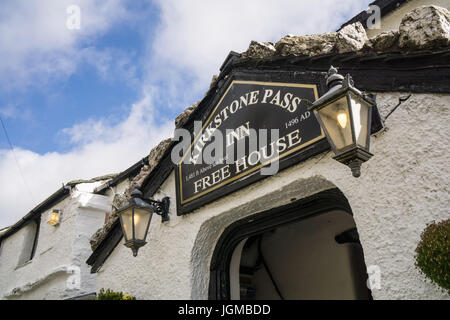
<point x="58" y="269"/>
<point x="401" y="189"/>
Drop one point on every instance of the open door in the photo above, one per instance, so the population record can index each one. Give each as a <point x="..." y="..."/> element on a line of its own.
<point x="315" y="256"/>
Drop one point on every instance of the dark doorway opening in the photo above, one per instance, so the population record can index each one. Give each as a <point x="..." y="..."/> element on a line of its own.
<point x="308" y="249"/>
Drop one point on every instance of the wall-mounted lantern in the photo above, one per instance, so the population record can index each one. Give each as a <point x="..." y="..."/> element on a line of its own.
<point x="54" y="217"/>
<point x="135" y="218"/>
<point x="344" y="114"/>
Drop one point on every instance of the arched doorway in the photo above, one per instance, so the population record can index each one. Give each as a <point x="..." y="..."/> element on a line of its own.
<point x="308" y="249"/>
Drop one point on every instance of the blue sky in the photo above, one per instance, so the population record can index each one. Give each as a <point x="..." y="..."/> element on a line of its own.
<point x="93" y="101"/>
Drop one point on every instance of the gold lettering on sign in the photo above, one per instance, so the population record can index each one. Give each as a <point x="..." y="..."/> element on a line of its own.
<point x="275" y="94"/>
<point x="212" y="179"/>
<point x="288" y="101"/>
<point x="282" y="144"/>
<point x="238" y="134"/>
<point x="255" y="157"/>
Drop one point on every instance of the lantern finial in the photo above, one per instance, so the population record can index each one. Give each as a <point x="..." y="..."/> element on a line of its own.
<point x="332" y="71"/>
<point x="333" y="77"/>
<point x="355" y="166"/>
<point x="136" y="193"/>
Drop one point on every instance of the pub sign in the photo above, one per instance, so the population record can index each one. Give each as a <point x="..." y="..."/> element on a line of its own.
<point x="253" y="128"/>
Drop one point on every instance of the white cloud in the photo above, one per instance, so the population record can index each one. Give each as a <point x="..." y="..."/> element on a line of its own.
<point x="195" y="36"/>
<point x="102" y="149"/>
<point x="35" y="44"/>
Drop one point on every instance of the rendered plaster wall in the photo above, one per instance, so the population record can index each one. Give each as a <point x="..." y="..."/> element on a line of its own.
<point x="401" y="189"/>
<point x="392" y="21"/>
<point x="91" y="213"/>
<point x="51" y="253"/>
<point x="58" y="269"/>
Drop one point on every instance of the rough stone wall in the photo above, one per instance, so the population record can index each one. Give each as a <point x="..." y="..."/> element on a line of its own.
<point x="391" y="21"/>
<point x="425" y="27"/>
<point x="401" y="189"/>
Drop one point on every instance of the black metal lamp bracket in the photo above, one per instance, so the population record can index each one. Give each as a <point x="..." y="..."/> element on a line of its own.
<point x="162" y="207"/>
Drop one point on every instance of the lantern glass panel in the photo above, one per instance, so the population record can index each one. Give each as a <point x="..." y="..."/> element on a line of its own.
<point x="360" y="110"/>
<point x="336" y="119"/>
<point x="127" y="224"/>
<point x="141" y="221"/>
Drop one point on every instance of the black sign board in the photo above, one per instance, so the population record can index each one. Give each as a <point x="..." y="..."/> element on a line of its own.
<point x="269" y="120"/>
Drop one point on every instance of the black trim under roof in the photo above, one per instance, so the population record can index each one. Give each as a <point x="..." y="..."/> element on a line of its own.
<point x="58" y="196"/>
<point x="127" y="174"/>
<point x="386" y="7"/>
<point x="158" y="175"/>
<point x="64" y="192"/>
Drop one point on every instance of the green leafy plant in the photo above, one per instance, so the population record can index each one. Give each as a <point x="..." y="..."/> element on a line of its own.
<point x="433" y="253"/>
<point x="111" y="295"/>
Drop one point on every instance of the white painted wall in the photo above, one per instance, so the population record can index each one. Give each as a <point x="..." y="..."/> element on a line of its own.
<point x="51" y="256"/>
<point x="392" y="21"/>
<point x="402" y="188"/>
<point x="60" y="254"/>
